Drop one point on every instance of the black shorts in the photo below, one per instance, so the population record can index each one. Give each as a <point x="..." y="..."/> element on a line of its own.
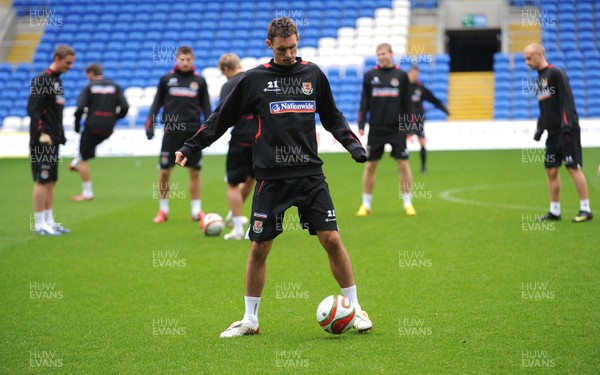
<point x="44" y="161"/>
<point x="554" y="156"/>
<point x="88" y="143"/>
<point x="377" y="142"/>
<point x="417" y="129"/>
<point x="273" y="197"/>
<point x="173" y="142"/>
<point x="239" y="163"/>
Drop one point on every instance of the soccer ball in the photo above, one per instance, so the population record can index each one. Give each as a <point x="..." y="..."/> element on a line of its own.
<point x="336" y="314"/>
<point x="212" y="225"/>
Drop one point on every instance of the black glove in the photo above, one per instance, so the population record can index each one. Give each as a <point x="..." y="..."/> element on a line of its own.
<point x="77" y="127"/>
<point x="538" y="135"/>
<point x="150" y="132"/>
<point x="359" y="155"/>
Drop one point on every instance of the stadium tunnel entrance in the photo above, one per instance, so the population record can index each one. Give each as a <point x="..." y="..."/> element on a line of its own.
<point x="472" y="50"/>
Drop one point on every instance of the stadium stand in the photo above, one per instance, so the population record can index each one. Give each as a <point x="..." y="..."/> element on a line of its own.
<point x="136" y="43"/>
<point x="569" y="34"/>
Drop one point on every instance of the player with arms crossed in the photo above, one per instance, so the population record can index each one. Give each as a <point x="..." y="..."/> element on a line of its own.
<point x="240" y="176"/>
<point x="386" y="97"/>
<point x="183" y="95"/>
<point x="419" y="93"/>
<point x="559" y="117"/>
<point x="285" y="121"/>
<point x="45" y="107"/>
<point x="105" y="104"/>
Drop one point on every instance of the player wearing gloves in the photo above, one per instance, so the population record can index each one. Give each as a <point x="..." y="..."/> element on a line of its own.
<point x="283" y="96"/>
<point x="559" y="117"/>
<point x="105" y="104"/>
<point x="183" y="96"/>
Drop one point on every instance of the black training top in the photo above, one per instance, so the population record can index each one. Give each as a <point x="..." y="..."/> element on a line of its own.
<point x="386" y="97"/>
<point x="283" y="101"/>
<point x="102" y="97"/>
<point x="45" y="107"/>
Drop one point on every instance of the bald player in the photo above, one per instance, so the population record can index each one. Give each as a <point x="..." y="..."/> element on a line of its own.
<point x="559" y="117"/>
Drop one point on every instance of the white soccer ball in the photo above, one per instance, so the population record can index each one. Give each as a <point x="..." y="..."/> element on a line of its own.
<point x="336" y="314"/>
<point x="212" y="225"/>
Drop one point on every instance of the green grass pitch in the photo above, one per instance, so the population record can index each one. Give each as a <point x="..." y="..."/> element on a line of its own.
<point x="471" y="285"/>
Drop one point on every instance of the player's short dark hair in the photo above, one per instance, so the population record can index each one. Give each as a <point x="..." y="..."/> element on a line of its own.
<point x="184" y="50"/>
<point x="230" y="61"/>
<point x="384" y="46"/>
<point x="94" y="68"/>
<point x="414" y="67"/>
<point x="282" y="27"/>
<point x="63" y="51"/>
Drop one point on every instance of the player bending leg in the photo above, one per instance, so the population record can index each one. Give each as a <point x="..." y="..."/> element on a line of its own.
<point x="105" y="104"/>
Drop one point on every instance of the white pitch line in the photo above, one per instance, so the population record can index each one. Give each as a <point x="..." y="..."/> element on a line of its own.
<point x="447" y="195"/>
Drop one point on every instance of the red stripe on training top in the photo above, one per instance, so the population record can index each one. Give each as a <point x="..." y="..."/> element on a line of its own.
<point x="266" y="65"/>
<point x="261" y="185"/>
<point x="353" y="136"/>
<point x="201" y="129"/>
<point x="304" y="62"/>
<point x="259" y="129"/>
<point x="102" y="114"/>
<point x="565" y="118"/>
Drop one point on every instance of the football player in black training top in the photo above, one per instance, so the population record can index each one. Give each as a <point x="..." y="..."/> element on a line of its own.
<point x="559" y="117"/>
<point x="283" y="96"/>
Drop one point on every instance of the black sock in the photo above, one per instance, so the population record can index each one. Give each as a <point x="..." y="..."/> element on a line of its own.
<point x="423" y="157"/>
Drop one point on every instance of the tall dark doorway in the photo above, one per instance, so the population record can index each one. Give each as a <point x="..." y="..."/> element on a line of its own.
<point x="473" y="50"/>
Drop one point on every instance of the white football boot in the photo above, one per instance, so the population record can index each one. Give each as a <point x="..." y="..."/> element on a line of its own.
<point x="362" y="323"/>
<point x="233" y="235"/>
<point x="240" y="328"/>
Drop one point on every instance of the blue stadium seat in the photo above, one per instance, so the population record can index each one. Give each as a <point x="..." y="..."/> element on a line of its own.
<point x="79" y="47"/>
<point x="520" y="113"/>
<point x="586" y="36"/>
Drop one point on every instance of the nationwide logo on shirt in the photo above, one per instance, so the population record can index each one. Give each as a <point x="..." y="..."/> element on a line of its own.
<point x="386" y="91"/>
<point x="183" y="91"/>
<point x="292" y="106"/>
<point x="102" y="89"/>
